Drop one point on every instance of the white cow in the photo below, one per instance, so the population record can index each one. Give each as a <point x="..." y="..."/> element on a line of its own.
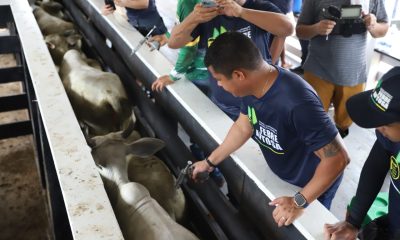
<point x="139" y="215"/>
<point x="149" y="171"/>
<point x="98" y="98"/>
<point x="49" y="24"/>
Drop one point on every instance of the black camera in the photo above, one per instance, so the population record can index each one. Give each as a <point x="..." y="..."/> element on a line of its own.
<point x="348" y="19"/>
<point x="110" y="2"/>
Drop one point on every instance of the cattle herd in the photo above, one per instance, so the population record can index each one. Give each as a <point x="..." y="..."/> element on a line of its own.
<point x="139" y="185"/>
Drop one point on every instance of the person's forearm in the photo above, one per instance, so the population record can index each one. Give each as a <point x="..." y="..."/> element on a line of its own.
<point x="334" y="159"/>
<point x="236" y="137"/>
<point x="379" y="30"/>
<point x="275" y="23"/>
<point x="372" y="177"/>
<point x="136" y="4"/>
<point x="276" y="48"/>
<point x="306" y="32"/>
<point x="181" y="33"/>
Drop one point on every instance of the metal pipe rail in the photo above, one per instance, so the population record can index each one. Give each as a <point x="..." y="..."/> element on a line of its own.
<point x="250" y="179"/>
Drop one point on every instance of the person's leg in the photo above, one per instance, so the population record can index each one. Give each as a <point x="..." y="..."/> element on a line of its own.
<point x="342" y="118"/>
<point x="323" y="88"/>
<point x="304" y="50"/>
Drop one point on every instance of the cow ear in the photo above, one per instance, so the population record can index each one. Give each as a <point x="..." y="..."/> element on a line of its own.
<point x="50" y="45"/>
<point x="145" y="147"/>
<point x="72" y="40"/>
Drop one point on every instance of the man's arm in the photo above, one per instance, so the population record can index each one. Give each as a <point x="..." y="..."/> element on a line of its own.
<point x="135" y="4"/>
<point x="276" y="48"/>
<point x="376" y="29"/>
<point x="323" y="27"/>
<point x="372" y="177"/>
<point x="276" y="23"/>
<point x="334" y="159"/>
<point x="238" y="134"/>
<point x="181" y="33"/>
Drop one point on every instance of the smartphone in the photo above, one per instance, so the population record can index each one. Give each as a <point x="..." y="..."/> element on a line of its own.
<point x="208" y="3"/>
<point x="110" y="2"/>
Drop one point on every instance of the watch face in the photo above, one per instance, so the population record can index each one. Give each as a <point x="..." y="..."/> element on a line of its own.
<point x="299" y="200"/>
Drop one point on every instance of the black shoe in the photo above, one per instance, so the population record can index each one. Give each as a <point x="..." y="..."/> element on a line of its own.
<point x="298" y="70"/>
<point x="343" y="133"/>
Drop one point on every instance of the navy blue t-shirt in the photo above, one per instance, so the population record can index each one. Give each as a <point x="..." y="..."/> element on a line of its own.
<point x="289" y="124"/>
<point x="394" y="191"/>
<point x="220" y="24"/>
<point x="144" y="19"/>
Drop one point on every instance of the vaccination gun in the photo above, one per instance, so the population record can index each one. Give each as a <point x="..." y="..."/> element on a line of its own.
<point x="187" y="172"/>
<point x="143" y="40"/>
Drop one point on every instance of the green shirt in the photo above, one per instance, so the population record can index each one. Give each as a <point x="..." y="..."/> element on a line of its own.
<point x="190" y="62"/>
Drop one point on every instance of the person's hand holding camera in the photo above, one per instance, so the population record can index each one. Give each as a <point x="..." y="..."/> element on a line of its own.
<point x="369" y="20"/>
<point x="107" y="9"/>
<point x="325" y="27"/>
<point x="229" y="8"/>
<point x="202" y="14"/>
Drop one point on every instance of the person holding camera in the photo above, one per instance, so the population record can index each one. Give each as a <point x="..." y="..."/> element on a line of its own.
<point x="142" y="15"/>
<point x="380" y="109"/>
<point x="336" y="65"/>
<point x="254" y="18"/>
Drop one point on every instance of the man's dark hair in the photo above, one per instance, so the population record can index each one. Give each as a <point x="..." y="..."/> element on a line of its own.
<point x="230" y="51"/>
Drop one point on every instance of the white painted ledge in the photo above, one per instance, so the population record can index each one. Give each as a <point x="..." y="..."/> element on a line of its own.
<point x="89" y="211"/>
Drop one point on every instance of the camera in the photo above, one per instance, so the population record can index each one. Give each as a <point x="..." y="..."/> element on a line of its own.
<point x="208" y="3"/>
<point x="348" y="20"/>
<point x="110" y="2"/>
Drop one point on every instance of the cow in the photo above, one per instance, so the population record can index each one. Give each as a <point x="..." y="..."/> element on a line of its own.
<point x="149" y="171"/>
<point x="139" y="215"/>
<point x="49" y="24"/>
<point x="98" y="98"/>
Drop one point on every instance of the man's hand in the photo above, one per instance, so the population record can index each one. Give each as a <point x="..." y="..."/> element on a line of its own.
<point x="204" y="14"/>
<point x="340" y="231"/>
<point x="199" y="167"/>
<point x="325" y="27"/>
<point x="369" y="20"/>
<point x="161" y="39"/>
<point x="286" y="211"/>
<point x="121" y="3"/>
<point x="107" y="9"/>
<point x="229" y="8"/>
<point x="161" y="82"/>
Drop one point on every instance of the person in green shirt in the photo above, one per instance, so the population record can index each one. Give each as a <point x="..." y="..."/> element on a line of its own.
<point x="190" y="62"/>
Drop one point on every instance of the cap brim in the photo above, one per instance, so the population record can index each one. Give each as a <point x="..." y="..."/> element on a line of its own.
<point x="365" y="114"/>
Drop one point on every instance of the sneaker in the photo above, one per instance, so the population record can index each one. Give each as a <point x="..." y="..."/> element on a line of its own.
<point x="343" y="133"/>
<point x="298" y="70"/>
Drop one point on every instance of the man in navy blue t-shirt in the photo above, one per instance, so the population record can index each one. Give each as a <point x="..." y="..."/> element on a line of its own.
<point x="254" y="18"/>
<point x="380" y="109"/>
<point x="285" y="116"/>
<point x="142" y="15"/>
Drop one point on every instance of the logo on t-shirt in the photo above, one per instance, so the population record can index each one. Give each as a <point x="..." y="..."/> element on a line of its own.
<point x="265" y="135"/>
<point x="394" y="171"/>
<point x="216" y="32"/>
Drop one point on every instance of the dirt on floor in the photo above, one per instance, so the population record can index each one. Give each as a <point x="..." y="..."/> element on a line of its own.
<point x="23" y="212"/>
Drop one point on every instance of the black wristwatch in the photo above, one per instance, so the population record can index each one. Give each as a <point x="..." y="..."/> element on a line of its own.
<point x="300" y="200"/>
<point x="210" y="163"/>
